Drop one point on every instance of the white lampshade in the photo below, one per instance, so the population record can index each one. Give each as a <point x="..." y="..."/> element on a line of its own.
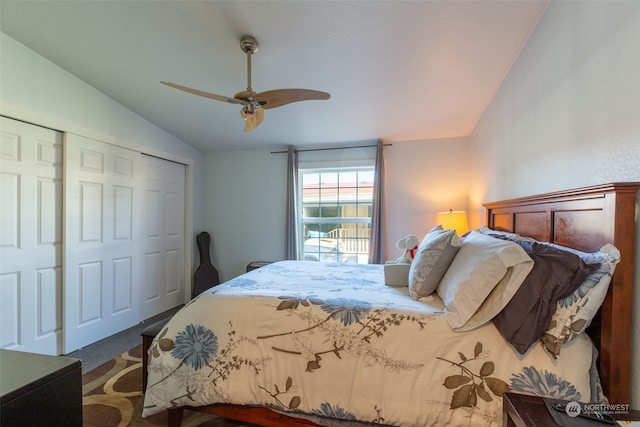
<point x="456" y="220"/>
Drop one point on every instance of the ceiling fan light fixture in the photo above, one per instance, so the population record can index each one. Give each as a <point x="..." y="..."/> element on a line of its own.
<point x="252" y="119"/>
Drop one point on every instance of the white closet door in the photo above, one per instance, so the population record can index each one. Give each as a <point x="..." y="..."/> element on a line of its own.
<point x="163" y="231"/>
<point x="102" y="253"/>
<point x="30" y="237"/>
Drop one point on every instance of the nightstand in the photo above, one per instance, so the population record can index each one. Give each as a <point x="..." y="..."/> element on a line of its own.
<point x="257" y="264"/>
<point x="519" y="410"/>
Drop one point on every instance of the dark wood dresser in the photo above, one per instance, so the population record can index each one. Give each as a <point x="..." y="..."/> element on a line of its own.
<point x="40" y="390"/>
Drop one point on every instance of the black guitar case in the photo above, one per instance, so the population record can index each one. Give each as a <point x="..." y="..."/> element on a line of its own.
<point x="206" y="275"/>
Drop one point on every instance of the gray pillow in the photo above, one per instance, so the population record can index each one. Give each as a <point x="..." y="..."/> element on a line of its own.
<point x="437" y="250"/>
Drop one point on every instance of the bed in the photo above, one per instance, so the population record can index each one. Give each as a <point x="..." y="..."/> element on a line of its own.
<point x="281" y="380"/>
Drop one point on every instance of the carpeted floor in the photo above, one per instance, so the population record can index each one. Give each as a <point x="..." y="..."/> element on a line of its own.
<point x="112" y="396"/>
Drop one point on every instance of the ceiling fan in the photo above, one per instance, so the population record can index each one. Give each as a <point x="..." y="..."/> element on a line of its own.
<point x="254" y="104"/>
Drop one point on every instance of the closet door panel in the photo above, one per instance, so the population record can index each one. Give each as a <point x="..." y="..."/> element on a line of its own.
<point x="102" y="240"/>
<point x="122" y="284"/>
<point x="10" y="214"/>
<point x="163" y="240"/>
<point x="90" y="285"/>
<point x="174" y="271"/>
<point x="10" y="314"/>
<point x="30" y="237"/>
<point x="49" y="291"/>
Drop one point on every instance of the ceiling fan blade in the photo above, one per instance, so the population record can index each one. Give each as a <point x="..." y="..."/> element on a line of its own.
<point x="252" y="120"/>
<point x="279" y="97"/>
<point x="202" y="93"/>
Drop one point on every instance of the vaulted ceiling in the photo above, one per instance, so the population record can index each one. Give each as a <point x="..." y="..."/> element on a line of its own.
<point x="398" y="70"/>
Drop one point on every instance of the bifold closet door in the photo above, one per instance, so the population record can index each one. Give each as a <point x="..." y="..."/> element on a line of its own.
<point x="30" y="237"/>
<point x="163" y="236"/>
<point x="102" y="237"/>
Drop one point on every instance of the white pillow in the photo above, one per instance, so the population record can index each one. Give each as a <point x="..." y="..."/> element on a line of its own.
<point x="482" y="278"/>
<point x="435" y="253"/>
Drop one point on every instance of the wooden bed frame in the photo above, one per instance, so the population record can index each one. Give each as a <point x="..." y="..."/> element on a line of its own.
<point x="584" y="219"/>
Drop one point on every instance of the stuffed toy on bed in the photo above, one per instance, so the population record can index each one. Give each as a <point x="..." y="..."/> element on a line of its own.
<point x="396" y="273"/>
<point x="410" y="245"/>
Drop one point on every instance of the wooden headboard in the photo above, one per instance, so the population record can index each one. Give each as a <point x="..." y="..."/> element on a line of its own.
<point x="586" y="219"/>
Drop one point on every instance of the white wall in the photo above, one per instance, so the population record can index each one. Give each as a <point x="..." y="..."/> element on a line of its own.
<point x="246" y="192"/>
<point x="422" y="178"/>
<point x="567" y="115"/>
<point x="36" y="90"/>
<point x="245" y="199"/>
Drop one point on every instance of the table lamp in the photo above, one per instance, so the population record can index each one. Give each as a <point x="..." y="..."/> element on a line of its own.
<point x="456" y="220"/>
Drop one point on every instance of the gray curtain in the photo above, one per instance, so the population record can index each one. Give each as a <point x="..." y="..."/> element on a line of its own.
<point x="376" y="255"/>
<point x="291" y="228"/>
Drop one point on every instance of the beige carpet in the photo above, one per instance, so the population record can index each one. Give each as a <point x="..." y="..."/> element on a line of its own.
<point x="112" y="396"/>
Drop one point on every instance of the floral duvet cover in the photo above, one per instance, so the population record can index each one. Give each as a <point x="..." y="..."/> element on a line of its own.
<point x="332" y="340"/>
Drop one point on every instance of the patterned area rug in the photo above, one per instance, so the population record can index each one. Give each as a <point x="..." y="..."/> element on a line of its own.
<point x="112" y="396"/>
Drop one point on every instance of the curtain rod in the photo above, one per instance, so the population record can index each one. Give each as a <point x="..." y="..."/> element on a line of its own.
<point x="332" y="148"/>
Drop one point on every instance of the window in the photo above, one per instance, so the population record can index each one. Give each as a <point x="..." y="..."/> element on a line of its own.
<point x="336" y="207"/>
